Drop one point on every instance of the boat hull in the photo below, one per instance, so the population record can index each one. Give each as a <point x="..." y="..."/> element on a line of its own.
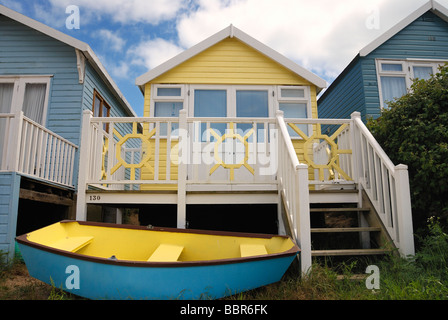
<point x="109" y="279"/>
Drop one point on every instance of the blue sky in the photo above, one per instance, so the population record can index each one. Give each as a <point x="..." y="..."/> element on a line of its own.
<point x="132" y="36"/>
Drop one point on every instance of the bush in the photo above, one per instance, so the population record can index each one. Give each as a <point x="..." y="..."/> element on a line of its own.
<point x="413" y="130"/>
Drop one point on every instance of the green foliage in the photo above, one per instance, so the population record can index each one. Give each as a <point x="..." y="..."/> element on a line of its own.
<point x="413" y="130"/>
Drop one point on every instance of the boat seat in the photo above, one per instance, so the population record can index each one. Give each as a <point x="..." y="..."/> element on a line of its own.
<point x="166" y="253"/>
<point x="248" y="250"/>
<point x="71" y="244"/>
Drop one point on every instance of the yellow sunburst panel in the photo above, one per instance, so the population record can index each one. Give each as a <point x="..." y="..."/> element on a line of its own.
<point x="334" y="152"/>
<point x="231" y="134"/>
<point x="103" y="158"/>
<point x="146" y="141"/>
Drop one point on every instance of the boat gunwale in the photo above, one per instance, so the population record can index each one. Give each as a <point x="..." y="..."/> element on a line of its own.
<point x="22" y="239"/>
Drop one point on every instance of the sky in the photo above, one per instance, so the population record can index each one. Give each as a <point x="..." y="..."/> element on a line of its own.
<point x="130" y="37"/>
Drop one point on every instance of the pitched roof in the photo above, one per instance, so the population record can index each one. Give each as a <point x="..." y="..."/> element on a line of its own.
<point x="75" y="43"/>
<point x="431" y="5"/>
<point x="231" y="32"/>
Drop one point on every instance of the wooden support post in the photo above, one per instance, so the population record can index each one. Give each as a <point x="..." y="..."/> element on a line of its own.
<point x="404" y="211"/>
<point x="303" y="225"/>
<point x="84" y="160"/>
<point x="182" y="170"/>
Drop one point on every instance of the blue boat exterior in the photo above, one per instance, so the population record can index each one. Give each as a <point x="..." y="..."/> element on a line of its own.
<point x="113" y="280"/>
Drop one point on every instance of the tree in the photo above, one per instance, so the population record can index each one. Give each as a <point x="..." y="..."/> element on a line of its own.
<point x="414" y="130"/>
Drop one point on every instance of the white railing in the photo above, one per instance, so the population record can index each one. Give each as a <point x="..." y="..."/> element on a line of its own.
<point x="130" y="152"/>
<point x="231" y="151"/>
<point x="293" y="186"/>
<point x="386" y="185"/>
<point x="35" y="151"/>
<point x="183" y="153"/>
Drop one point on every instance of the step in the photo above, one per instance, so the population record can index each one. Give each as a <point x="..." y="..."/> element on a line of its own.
<point x="348" y="252"/>
<point x="353" y="229"/>
<point x="339" y="210"/>
<point x="334" y="196"/>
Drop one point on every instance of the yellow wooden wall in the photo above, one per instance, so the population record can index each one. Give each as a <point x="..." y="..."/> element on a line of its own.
<point x="234" y="63"/>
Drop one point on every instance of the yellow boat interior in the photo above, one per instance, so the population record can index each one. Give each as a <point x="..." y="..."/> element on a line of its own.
<point x="130" y="243"/>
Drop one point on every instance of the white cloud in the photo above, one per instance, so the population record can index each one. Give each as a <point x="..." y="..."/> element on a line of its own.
<point x="153" y="52"/>
<point x="321" y="35"/>
<point x="129" y="11"/>
<point x="112" y="40"/>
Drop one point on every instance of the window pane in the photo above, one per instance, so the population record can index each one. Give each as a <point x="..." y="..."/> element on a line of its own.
<point x="167" y="109"/>
<point x="97" y="107"/>
<point x="295" y="110"/>
<point x="34" y="100"/>
<point x="169" y="92"/>
<point x="392" y="87"/>
<point x="422" y="72"/>
<point x="6" y="91"/>
<point x="252" y="103"/>
<point x="392" y="67"/>
<point x="211" y="103"/>
<point x="292" y="93"/>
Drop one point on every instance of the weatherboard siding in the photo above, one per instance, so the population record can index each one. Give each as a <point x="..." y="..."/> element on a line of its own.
<point x="9" y="198"/>
<point x="230" y="62"/>
<point x="424" y="38"/>
<point x="346" y="97"/>
<point x="25" y="51"/>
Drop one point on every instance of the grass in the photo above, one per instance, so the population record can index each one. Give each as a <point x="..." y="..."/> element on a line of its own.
<point x="424" y="277"/>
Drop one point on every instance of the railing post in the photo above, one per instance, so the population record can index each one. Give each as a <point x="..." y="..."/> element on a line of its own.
<point x="14" y="143"/>
<point x="182" y="170"/>
<point x="84" y="164"/>
<point x="404" y="211"/>
<point x="303" y="218"/>
<point x="356" y="151"/>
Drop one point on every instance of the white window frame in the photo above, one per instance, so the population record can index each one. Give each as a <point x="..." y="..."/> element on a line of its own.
<point x="20" y="83"/>
<point x="306" y="99"/>
<point x="231" y="96"/>
<point x="407" y="71"/>
<point x="154" y="97"/>
<point x="154" y="91"/>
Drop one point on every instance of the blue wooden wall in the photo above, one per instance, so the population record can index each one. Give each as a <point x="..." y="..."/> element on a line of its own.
<point x="9" y="201"/>
<point x="25" y="51"/>
<point x="356" y="89"/>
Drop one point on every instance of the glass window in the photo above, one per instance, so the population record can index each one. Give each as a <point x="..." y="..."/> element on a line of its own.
<point x="292" y="93"/>
<point x="34" y="101"/>
<point x="392" y="87"/>
<point x="295" y="110"/>
<point x="169" y="92"/>
<point x="252" y="104"/>
<point x="167" y="109"/>
<point x="392" y="67"/>
<point x="101" y="108"/>
<point x="6" y="92"/>
<point x="211" y="103"/>
<point x="422" y="72"/>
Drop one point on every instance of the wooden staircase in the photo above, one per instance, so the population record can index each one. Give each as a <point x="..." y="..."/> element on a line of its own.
<point x="345" y="224"/>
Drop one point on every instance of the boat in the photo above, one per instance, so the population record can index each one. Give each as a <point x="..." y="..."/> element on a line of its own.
<point x="115" y="261"/>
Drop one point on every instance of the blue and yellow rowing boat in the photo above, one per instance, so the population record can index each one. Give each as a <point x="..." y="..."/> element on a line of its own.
<point x="110" y="261"/>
